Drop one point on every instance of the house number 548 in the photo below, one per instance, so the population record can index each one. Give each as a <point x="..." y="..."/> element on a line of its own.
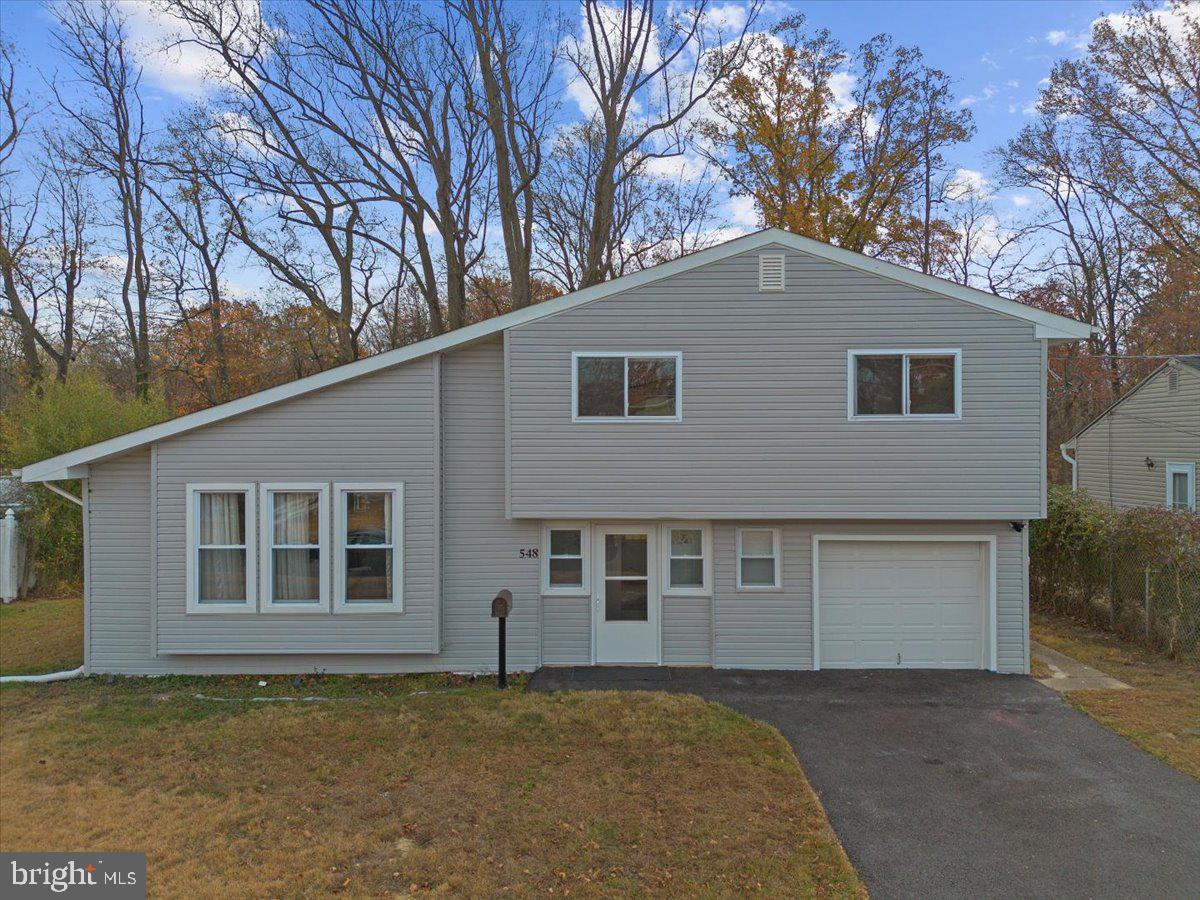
<point x="529" y="553"/>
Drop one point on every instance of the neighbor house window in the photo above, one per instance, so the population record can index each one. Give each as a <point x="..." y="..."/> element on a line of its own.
<point x="1181" y="486"/>
<point x="565" y="549"/>
<point x="295" y="529"/>
<point x="221" y="550"/>
<point x="905" y="384"/>
<point x="619" y="386"/>
<point x="758" y="558"/>
<point x="369" y="561"/>
<point x="687" y="569"/>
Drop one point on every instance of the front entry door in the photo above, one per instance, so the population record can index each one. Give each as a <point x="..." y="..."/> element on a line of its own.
<point x="625" y="601"/>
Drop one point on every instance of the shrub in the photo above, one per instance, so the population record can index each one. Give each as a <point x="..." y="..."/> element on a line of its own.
<point x="65" y="416"/>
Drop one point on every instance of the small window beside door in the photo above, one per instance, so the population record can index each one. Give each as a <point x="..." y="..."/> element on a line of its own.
<point x="626" y="387"/>
<point x="904" y="384"/>
<point x="758" y="559"/>
<point x="687" y="555"/>
<point x="1181" y="486"/>
<point x="564" y="553"/>
<point x="220" y="548"/>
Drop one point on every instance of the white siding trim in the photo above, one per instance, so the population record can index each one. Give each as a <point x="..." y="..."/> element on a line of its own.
<point x="777" y="547"/>
<point x="154" y="551"/>
<point x="705" y="529"/>
<point x="266" y="539"/>
<point x="905" y="416"/>
<point x="990" y="616"/>
<point x="249" y="604"/>
<point x="396" y="605"/>
<point x="677" y="355"/>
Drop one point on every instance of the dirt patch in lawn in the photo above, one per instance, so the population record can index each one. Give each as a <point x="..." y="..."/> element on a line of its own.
<point x="44" y="635"/>
<point x="1161" y="714"/>
<point x="407" y="785"/>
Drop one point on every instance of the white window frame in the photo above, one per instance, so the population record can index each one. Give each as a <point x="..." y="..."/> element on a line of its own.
<point x="1188" y="469"/>
<point x="585" y="543"/>
<point x="266" y="532"/>
<point x="776" y="546"/>
<point x="249" y="604"/>
<point x="396" y="604"/>
<point x="705" y="529"/>
<point x="904" y="415"/>
<point x="677" y="355"/>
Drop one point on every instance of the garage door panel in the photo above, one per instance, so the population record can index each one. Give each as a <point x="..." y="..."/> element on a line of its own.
<point x="912" y="604"/>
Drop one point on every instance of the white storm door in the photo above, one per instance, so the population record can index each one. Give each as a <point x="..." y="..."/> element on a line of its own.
<point x="625" y="601"/>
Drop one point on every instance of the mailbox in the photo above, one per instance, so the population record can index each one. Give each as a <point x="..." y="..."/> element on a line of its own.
<point x="502" y="605"/>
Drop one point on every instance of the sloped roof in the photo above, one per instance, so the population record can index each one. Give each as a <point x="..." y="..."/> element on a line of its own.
<point x="1190" y="360"/>
<point x="1046" y="325"/>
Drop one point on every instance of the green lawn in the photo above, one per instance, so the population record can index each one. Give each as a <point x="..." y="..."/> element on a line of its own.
<point x="399" y="786"/>
<point x="39" y="636"/>
<point x="1162" y="712"/>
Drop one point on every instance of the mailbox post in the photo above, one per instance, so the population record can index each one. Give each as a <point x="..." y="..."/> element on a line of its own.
<point x="501" y="607"/>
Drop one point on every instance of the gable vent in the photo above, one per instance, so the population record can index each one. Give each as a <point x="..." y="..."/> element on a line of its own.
<point x="1172" y="380"/>
<point x="770" y="272"/>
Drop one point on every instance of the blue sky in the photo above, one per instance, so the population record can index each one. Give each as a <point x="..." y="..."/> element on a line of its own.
<point x="996" y="52"/>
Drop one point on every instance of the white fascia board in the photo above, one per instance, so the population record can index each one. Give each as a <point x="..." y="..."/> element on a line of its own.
<point x="1052" y="327"/>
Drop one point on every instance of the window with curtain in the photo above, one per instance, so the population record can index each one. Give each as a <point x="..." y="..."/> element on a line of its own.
<point x="369" y="547"/>
<point x="221" y="554"/>
<point x="294" y="529"/>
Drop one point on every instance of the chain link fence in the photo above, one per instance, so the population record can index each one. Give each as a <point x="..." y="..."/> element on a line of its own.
<point x="1158" y="607"/>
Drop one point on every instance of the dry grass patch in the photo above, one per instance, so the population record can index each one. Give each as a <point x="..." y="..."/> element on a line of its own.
<point x="403" y="786"/>
<point x="39" y="636"/>
<point x="1162" y="713"/>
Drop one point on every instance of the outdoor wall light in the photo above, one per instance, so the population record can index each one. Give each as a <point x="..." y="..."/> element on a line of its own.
<point x="1149" y="463"/>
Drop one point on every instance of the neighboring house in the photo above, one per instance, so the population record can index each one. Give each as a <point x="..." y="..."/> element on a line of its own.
<point x="769" y="454"/>
<point x="1144" y="450"/>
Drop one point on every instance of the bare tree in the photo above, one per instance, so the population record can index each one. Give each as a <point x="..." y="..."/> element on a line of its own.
<point x="645" y="72"/>
<point x="107" y="140"/>
<point x="515" y="67"/>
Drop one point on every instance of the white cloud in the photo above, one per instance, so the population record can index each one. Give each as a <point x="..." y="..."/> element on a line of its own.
<point x="1012" y="83"/>
<point x="679" y="167"/>
<point x="1020" y="200"/>
<point x="987" y="60"/>
<point x="1056" y="37"/>
<point x="743" y="212"/>
<point x="971" y="99"/>
<point x="969" y="183"/>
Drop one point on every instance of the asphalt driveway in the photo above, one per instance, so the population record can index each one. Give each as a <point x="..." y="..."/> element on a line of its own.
<point x="960" y="784"/>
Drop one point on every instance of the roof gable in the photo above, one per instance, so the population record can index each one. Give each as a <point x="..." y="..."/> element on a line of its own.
<point x="1191" y="362"/>
<point x="1046" y="326"/>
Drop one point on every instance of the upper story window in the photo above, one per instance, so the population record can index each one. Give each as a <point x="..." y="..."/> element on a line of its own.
<point x="220" y="548"/>
<point x="626" y="386"/>
<point x="295" y="559"/>
<point x="905" y="384"/>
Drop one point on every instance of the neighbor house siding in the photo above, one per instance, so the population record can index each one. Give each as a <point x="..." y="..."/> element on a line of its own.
<point x="1152" y="421"/>
<point x="773" y="629"/>
<point x="765" y="430"/>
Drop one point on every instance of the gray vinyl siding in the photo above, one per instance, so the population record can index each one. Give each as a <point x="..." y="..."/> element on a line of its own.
<point x="1111" y="454"/>
<point x="566" y="631"/>
<point x="774" y="629"/>
<point x="765" y="430"/>
<point x="687" y="631"/>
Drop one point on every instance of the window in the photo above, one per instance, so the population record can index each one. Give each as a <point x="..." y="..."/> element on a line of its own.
<point x="771" y="272"/>
<point x="686" y="566"/>
<point x="917" y="384"/>
<point x="220" y="562"/>
<point x="1181" y="486"/>
<point x="295" y="529"/>
<point x="565" y="550"/>
<point x="369" y="565"/>
<point x="624" y="386"/>
<point x="758" y="559"/>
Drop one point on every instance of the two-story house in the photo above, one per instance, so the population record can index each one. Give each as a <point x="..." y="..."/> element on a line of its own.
<point x="769" y="454"/>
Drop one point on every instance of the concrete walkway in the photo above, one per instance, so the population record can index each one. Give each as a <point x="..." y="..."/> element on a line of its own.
<point x="962" y="784"/>
<point x="1067" y="674"/>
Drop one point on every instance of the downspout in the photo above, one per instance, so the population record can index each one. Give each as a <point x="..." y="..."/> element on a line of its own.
<point x="1062" y="448"/>
<point x="40" y="679"/>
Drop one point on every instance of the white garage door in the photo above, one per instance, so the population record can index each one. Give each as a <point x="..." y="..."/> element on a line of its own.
<point x="908" y="604"/>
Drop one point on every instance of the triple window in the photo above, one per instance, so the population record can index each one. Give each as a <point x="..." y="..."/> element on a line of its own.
<point x="626" y="386"/>
<point x="300" y="562"/>
<point x="906" y="384"/>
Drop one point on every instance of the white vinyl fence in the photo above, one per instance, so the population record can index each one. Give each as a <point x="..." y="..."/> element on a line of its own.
<point x="12" y="550"/>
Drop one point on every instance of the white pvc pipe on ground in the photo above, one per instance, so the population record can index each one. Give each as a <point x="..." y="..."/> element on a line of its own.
<point x="49" y="676"/>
